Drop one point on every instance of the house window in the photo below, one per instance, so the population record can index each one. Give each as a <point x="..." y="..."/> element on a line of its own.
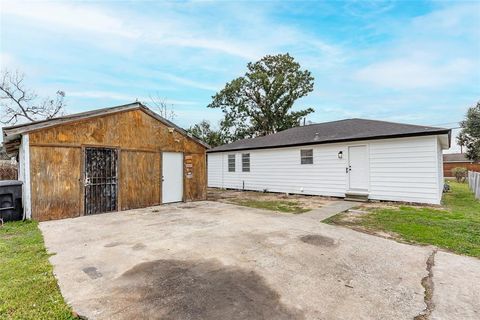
<point x="246" y="162"/>
<point x="231" y="163"/>
<point x="306" y="156"/>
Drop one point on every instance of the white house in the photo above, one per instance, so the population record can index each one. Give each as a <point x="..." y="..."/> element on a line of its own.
<point x="347" y="158"/>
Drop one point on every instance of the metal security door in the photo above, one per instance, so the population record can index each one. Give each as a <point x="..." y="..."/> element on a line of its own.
<point x="101" y="166"/>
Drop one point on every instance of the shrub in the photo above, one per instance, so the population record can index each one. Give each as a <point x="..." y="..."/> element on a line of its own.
<point x="460" y="174"/>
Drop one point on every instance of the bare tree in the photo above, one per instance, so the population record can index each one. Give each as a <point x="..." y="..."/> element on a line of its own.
<point x="161" y="106"/>
<point x="21" y="104"/>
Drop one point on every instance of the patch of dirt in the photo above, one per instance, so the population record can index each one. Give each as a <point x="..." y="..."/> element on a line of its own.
<point x="353" y="216"/>
<point x="174" y="289"/>
<point x="318" y="240"/>
<point x="8" y="236"/>
<point x="229" y="196"/>
<point x="396" y="205"/>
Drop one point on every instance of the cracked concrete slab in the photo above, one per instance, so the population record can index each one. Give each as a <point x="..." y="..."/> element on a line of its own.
<point x="331" y="209"/>
<point x="456" y="287"/>
<point x="208" y="259"/>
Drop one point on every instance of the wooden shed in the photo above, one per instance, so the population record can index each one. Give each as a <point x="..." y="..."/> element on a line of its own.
<point x="105" y="160"/>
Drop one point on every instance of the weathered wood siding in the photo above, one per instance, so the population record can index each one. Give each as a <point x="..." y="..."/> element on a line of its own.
<point x="198" y="176"/>
<point x="56" y="162"/>
<point x="145" y="177"/>
<point x="55" y="182"/>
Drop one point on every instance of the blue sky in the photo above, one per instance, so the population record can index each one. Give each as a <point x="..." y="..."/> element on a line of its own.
<point x="406" y="61"/>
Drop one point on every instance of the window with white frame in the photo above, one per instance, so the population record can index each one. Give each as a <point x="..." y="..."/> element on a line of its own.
<point x="306" y="156"/>
<point x="231" y="163"/>
<point x="245" y="162"/>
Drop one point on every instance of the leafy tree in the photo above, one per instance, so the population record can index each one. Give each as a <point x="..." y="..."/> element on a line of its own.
<point x="260" y="102"/>
<point x="462" y="141"/>
<point x="204" y="132"/>
<point x="470" y="133"/>
<point x="21" y="104"/>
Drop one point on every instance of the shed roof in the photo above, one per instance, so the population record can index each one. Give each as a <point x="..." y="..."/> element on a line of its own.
<point x="455" y="157"/>
<point x="335" y="131"/>
<point x="12" y="134"/>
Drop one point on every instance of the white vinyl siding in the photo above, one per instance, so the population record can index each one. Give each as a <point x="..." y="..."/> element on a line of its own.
<point x="401" y="169"/>
<point x="215" y="170"/>
<point x="441" y="178"/>
<point x="404" y="170"/>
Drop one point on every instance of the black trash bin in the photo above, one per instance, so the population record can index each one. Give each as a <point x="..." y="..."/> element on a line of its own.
<point x="11" y="200"/>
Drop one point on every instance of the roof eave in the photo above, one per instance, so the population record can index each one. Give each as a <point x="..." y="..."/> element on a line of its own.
<point x="15" y="132"/>
<point x="432" y="133"/>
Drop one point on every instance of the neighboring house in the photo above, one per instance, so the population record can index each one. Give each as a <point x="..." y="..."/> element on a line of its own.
<point x="353" y="157"/>
<point x="105" y="160"/>
<point x="454" y="160"/>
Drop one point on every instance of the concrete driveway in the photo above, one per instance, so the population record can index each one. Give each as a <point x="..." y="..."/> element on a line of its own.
<point x="210" y="260"/>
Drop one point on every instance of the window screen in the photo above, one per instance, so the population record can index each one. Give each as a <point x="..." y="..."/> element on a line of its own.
<point x="246" y="162"/>
<point x="306" y="156"/>
<point x="231" y="163"/>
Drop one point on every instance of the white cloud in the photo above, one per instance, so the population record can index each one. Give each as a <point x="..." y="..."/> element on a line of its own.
<point x="123" y="97"/>
<point x="367" y="8"/>
<point x="63" y="15"/>
<point x="7" y="61"/>
<point x="172" y="28"/>
<point x="94" y="20"/>
<point x="432" y="51"/>
<point x="188" y="82"/>
<point x="411" y="74"/>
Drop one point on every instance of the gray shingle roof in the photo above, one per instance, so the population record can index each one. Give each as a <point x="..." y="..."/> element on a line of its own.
<point x="330" y="132"/>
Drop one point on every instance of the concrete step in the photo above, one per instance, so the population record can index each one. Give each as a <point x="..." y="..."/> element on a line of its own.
<point x="356" y="196"/>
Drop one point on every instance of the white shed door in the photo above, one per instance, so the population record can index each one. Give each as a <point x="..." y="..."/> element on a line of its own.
<point x="358" y="168"/>
<point x="172" y="171"/>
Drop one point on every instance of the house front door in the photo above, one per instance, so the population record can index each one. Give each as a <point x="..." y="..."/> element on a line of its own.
<point x="358" y="175"/>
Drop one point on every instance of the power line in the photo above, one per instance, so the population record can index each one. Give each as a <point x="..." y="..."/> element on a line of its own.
<point x="444" y="124"/>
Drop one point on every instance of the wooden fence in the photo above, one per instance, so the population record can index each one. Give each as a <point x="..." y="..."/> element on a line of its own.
<point x="474" y="183"/>
<point x="448" y="166"/>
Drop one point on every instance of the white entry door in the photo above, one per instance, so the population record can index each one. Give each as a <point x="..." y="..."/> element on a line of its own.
<point x="172" y="177"/>
<point x="358" y="168"/>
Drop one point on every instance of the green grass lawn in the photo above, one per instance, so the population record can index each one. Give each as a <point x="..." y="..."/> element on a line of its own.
<point x="28" y="289"/>
<point x="274" y="205"/>
<point x="457" y="228"/>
